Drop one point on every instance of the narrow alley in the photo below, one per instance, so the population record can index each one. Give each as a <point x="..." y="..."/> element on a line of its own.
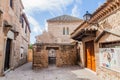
<point x="59" y="40"/>
<point x="25" y="72"/>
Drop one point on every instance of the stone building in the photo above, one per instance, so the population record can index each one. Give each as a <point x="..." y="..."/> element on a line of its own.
<point x="54" y="46"/>
<point x="53" y="54"/>
<point x="14" y="35"/>
<point x="100" y="37"/>
<point x="59" y="29"/>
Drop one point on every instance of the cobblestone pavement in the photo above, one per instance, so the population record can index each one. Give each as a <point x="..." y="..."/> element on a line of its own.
<point x="25" y="72"/>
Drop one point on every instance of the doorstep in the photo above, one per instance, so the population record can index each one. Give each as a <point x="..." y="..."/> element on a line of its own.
<point x="5" y="72"/>
<point x="91" y="71"/>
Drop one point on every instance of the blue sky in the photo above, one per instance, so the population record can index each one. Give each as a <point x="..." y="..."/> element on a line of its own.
<point x="38" y="11"/>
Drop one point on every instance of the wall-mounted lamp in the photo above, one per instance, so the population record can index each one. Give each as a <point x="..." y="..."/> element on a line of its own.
<point x="87" y="16"/>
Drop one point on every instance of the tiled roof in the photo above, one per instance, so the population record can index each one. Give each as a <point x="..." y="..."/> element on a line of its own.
<point x="65" y="18"/>
<point x="91" y="28"/>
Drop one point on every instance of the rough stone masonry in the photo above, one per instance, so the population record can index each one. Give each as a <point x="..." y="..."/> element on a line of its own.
<point x="65" y="55"/>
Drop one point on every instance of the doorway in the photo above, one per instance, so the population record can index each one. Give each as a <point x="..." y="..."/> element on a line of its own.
<point x="52" y="56"/>
<point x="7" y="55"/>
<point x="90" y="55"/>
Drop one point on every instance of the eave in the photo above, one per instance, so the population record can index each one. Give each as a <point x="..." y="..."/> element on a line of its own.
<point x="85" y="33"/>
<point x="102" y="12"/>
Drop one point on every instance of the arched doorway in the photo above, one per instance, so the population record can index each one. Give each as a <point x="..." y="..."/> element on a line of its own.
<point x="52" y="56"/>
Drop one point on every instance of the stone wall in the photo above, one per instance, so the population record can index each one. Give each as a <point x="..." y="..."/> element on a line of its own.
<point x="11" y="15"/>
<point x="55" y="32"/>
<point x="65" y="55"/>
<point x="107" y="74"/>
<point x="114" y="25"/>
<point x="30" y="55"/>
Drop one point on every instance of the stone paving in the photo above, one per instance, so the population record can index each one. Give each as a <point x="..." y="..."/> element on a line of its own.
<point x="25" y="72"/>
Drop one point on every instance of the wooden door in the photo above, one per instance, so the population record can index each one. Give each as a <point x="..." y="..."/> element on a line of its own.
<point x="90" y="56"/>
<point x="89" y="59"/>
<point x="93" y="60"/>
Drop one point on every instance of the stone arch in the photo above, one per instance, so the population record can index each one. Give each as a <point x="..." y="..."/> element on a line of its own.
<point x="51" y="53"/>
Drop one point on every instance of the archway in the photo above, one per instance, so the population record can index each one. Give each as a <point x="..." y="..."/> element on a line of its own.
<point x="52" y="56"/>
<point x="52" y="53"/>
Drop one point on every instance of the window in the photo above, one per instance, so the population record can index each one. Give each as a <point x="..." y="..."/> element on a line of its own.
<point x="11" y="3"/>
<point x="67" y="31"/>
<point x="21" y="53"/>
<point x="22" y="22"/>
<point x="64" y="31"/>
<point x="26" y="28"/>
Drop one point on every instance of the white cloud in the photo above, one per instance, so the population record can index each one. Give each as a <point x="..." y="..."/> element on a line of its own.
<point x="78" y="1"/>
<point x="36" y="26"/>
<point x="54" y="6"/>
<point x="46" y="27"/>
<point x="75" y="11"/>
<point x="76" y="8"/>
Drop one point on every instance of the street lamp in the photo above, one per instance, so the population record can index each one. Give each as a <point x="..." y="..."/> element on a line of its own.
<point x="100" y="28"/>
<point x="87" y="16"/>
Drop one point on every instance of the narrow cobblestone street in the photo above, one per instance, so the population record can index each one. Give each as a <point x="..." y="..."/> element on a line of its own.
<point x="25" y="72"/>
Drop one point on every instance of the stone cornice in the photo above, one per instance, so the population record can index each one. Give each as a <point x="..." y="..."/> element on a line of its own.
<point x="27" y="22"/>
<point x="64" y="21"/>
<point x="105" y="10"/>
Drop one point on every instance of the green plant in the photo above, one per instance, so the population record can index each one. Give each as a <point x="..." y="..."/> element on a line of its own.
<point x="30" y="46"/>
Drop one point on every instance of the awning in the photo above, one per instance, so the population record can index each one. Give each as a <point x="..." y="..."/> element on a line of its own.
<point x="88" y="31"/>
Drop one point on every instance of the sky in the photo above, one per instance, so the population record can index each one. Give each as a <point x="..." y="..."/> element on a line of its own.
<point x="38" y="11"/>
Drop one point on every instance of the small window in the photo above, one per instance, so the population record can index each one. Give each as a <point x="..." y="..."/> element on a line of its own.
<point x="26" y="29"/>
<point x="22" y="19"/>
<point x="67" y="31"/>
<point x="63" y="30"/>
<point x="11" y="3"/>
<point x="21" y="53"/>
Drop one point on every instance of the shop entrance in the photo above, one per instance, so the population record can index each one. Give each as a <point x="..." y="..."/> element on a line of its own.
<point x="90" y="55"/>
<point x="7" y="55"/>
